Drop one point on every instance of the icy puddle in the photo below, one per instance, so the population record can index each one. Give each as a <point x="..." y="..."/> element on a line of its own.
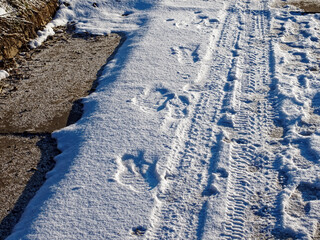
<point x="42" y="95"/>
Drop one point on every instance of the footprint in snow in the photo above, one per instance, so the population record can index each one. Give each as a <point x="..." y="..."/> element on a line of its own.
<point x="195" y="19"/>
<point x="186" y="55"/>
<point x="163" y="100"/>
<point x="137" y="173"/>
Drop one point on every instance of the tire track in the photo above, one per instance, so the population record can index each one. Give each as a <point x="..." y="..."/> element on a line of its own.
<point x="222" y="179"/>
<point x="188" y="183"/>
<point x="252" y="190"/>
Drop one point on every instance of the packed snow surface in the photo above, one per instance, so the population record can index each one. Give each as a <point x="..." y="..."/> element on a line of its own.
<point x="205" y="125"/>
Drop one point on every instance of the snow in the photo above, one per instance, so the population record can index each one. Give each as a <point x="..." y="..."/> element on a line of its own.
<point x="116" y="16"/>
<point x="42" y="36"/>
<point x="3" y="74"/>
<point x="2" y="11"/>
<point x="203" y="126"/>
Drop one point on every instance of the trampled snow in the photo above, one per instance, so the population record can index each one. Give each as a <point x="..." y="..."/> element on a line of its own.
<point x="203" y="126"/>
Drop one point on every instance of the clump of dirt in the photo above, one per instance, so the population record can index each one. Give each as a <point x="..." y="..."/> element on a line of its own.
<point x="43" y="94"/>
<point x="22" y="24"/>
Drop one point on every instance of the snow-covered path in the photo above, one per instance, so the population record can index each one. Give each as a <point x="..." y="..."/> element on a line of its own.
<point x="204" y="126"/>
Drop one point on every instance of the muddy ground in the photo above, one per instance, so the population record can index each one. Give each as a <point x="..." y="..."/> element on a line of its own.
<point x="40" y="96"/>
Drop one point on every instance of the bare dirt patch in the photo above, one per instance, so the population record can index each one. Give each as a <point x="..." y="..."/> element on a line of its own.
<point x="25" y="160"/>
<point x="43" y="94"/>
<point x="307" y="6"/>
<point x="48" y="80"/>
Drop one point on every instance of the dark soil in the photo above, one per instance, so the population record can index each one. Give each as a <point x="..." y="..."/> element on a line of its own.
<point x="42" y="94"/>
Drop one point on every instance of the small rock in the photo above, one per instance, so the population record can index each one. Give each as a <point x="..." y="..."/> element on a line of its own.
<point x="314" y="68"/>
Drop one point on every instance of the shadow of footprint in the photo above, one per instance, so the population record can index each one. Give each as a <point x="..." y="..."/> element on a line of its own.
<point x="309" y="191"/>
<point x="316" y="104"/>
<point x="167" y="96"/>
<point x="181" y="104"/>
<point x="137" y="173"/>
